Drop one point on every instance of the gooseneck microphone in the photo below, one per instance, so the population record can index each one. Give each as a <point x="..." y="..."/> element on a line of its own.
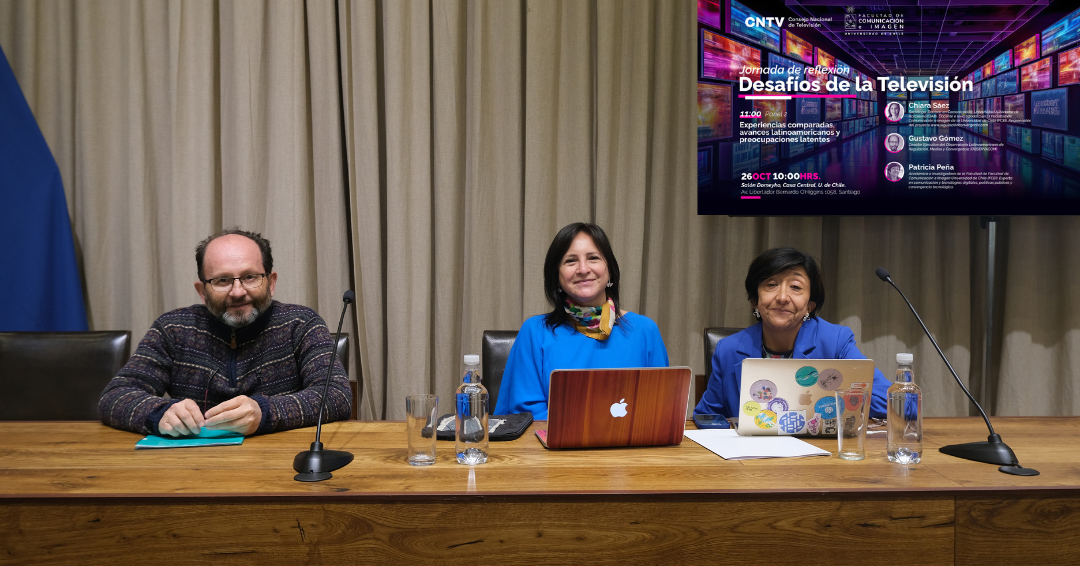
<point x="993" y="451"/>
<point x="316" y="464"/>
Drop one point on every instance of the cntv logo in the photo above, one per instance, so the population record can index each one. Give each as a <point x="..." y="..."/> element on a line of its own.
<point x="764" y="22"/>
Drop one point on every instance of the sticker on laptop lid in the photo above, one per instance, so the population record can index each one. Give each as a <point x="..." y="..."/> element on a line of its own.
<point x="765" y="419"/>
<point x="828" y="426"/>
<point x="830" y="379"/>
<point x="792" y="422"/>
<point x="751" y="408"/>
<point x="826" y="406"/>
<point x="777" y="405"/>
<point x="762" y="390"/>
<point x="813" y="425"/>
<point x="859" y="385"/>
<point x="806" y="376"/>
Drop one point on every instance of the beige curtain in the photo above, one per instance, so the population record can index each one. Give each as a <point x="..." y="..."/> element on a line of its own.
<point x="1040" y="343"/>
<point x="424" y="153"/>
<point x="171" y="120"/>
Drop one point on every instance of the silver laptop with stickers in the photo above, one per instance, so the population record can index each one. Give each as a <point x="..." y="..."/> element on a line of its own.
<point x="796" y="397"/>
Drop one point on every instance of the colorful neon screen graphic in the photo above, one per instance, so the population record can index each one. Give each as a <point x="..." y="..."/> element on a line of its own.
<point x="714" y="111"/>
<point x="765" y="36"/>
<point x="1036" y="76"/>
<point x="1026" y="51"/>
<point x="1050" y="109"/>
<point x="1069" y="67"/>
<point x="724" y="59"/>
<point x="1063" y="33"/>
<point x="708" y="12"/>
<point x="798" y="48"/>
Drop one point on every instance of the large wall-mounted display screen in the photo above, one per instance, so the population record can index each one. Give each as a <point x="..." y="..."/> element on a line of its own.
<point x="1009" y="82"/>
<point x="1014" y="106"/>
<point x="772" y="111"/>
<point x="708" y="12"/>
<point x="1071" y="152"/>
<point x="1035" y="76"/>
<point x="1053" y="146"/>
<point x="1003" y="62"/>
<point x="1026" y="51"/>
<point x="823" y="59"/>
<point x="1069" y="67"/>
<point x="798" y="47"/>
<point x="1050" y="109"/>
<point x="1000" y="147"/>
<point x="1063" y="33"/>
<point x="735" y="24"/>
<point x="714" y="111"/>
<point x="844" y="70"/>
<point x="808" y="110"/>
<point x="784" y="68"/>
<point x="834" y="108"/>
<point x="724" y="59"/>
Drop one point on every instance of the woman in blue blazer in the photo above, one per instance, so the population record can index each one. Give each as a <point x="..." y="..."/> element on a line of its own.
<point x="785" y="289"/>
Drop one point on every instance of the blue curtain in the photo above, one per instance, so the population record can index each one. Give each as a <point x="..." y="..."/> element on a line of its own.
<point x="40" y="287"/>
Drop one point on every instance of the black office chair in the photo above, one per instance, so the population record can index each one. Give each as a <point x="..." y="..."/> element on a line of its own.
<point x="494" y="351"/>
<point x="58" y="375"/>
<point x="713" y="336"/>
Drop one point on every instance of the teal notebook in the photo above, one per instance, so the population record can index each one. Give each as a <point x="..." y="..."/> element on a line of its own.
<point x="204" y="438"/>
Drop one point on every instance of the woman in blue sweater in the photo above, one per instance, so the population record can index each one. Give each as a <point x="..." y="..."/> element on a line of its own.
<point x="585" y="328"/>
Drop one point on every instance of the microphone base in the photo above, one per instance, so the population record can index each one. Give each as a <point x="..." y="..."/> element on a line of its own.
<point x="312" y="476"/>
<point x="316" y="464"/>
<point x="993" y="451"/>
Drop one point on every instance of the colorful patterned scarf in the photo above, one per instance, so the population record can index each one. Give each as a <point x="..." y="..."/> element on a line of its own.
<point x="594" y="322"/>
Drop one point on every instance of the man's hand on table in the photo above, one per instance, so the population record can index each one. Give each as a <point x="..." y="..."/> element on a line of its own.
<point x="239" y="414"/>
<point x="182" y="419"/>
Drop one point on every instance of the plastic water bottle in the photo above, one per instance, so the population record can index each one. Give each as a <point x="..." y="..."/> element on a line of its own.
<point x="471" y="436"/>
<point x="904" y="445"/>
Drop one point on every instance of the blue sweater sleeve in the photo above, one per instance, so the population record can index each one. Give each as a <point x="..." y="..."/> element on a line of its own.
<point x="522" y="390"/>
<point x="657" y="351"/>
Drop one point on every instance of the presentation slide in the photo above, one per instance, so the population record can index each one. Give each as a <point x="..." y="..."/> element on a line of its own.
<point x="787" y="127"/>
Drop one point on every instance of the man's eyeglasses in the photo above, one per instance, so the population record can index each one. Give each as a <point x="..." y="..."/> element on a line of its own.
<point x="225" y="284"/>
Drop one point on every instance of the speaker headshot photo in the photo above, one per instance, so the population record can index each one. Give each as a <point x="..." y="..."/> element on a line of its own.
<point x="894" y="111"/>
<point x="894" y="143"/>
<point x="894" y="171"/>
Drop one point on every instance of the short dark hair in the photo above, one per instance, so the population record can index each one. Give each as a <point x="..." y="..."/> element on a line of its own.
<point x="553" y="291"/>
<point x="263" y="243"/>
<point x="779" y="260"/>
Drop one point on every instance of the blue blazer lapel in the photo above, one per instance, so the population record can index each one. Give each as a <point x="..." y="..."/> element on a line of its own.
<point x="749" y="344"/>
<point x="806" y="340"/>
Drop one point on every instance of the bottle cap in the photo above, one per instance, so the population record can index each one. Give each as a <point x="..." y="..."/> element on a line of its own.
<point x="904" y="358"/>
<point x="472" y="359"/>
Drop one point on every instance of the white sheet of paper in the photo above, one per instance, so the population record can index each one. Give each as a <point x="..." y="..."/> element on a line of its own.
<point x="727" y="444"/>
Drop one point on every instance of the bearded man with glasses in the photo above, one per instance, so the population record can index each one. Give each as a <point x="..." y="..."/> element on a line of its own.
<point x="239" y="362"/>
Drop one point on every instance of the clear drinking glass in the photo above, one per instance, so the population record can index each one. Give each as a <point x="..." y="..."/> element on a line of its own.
<point x="421" y="411"/>
<point x="852" y="418"/>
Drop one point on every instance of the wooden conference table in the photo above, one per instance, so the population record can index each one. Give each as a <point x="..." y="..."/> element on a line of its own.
<point x="78" y="492"/>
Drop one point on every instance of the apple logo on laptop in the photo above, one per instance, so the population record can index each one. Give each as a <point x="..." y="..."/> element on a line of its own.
<point x="618" y="409"/>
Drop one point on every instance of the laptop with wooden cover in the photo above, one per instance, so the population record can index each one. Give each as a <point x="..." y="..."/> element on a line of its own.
<point x="598" y="408"/>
